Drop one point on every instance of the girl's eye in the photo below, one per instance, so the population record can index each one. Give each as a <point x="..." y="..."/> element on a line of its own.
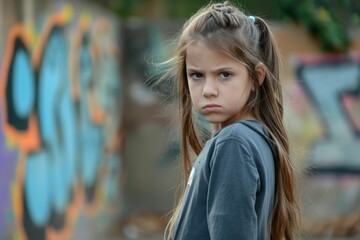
<point x="196" y="76"/>
<point x="225" y="75"/>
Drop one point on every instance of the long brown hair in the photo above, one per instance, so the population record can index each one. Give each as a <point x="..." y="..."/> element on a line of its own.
<point x="250" y="41"/>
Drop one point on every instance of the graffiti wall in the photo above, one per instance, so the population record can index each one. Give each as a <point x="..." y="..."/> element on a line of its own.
<point x="322" y="113"/>
<point x="60" y="123"/>
<point x="332" y="84"/>
<point x="325" y="116"/>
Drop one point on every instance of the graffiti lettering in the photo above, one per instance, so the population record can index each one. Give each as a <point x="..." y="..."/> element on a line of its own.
<point x="328" y="85"/>
<point x="59" y="134"/>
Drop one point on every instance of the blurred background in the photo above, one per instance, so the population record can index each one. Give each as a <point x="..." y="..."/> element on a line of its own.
<point x="88" y="150"/>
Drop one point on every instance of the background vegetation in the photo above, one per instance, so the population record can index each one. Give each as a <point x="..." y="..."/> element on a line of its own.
<point x="328" y="21"/>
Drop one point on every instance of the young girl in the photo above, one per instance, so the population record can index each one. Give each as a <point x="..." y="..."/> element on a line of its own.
<point x="242" y="184"/>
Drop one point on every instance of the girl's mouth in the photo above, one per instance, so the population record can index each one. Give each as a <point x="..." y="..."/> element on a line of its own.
<point x="211" y="107"/>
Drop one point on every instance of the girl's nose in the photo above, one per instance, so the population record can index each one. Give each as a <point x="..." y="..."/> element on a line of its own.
<point x="209" y="89"/>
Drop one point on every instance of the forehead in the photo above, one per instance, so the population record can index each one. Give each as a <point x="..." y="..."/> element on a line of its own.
<point x="201" y="53"/>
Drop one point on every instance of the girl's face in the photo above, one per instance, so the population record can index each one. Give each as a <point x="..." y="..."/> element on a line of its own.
<point x="219" y="85"/>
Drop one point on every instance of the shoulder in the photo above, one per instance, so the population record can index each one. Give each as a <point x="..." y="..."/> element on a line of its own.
<point x="239" y="131"/>
<point x="231" y="152"/>
<point x="250" y="135"/>
<point x="232" y="141"/>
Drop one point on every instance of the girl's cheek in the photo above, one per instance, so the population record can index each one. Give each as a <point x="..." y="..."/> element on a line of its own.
<point x="193" y="99"/>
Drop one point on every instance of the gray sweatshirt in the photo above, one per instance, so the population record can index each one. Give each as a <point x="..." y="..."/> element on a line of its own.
<point x="230" y="192"/>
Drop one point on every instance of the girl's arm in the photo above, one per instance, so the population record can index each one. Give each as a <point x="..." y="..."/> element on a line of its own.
<point x="232" y="191"/>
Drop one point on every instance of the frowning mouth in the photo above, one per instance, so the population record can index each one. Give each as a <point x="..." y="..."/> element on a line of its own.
<point x="211" y="107"/>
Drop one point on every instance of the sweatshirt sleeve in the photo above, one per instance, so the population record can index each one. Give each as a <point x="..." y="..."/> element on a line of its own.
<point x="233" y="184"/>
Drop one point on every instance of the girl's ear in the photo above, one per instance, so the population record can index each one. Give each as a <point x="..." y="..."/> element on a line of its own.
<point x="260" y="72"/>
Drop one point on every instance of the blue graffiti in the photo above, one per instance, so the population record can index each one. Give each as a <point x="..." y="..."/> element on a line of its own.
<point x="37" y="188"/>
<point x="68" y="142"/>
<point x="53" y="74"/>
<point x="326" y="84"/>
<point x="73" y="141"/>
<point x="15" y="90"/>
<point x="24" y="84"/>
<point x="51" y="171"/>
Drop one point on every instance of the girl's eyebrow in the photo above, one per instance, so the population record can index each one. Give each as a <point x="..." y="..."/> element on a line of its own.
<point x="220" y="68"/>
<point x="224" y="68"/>
<point x="193" y="69"/>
